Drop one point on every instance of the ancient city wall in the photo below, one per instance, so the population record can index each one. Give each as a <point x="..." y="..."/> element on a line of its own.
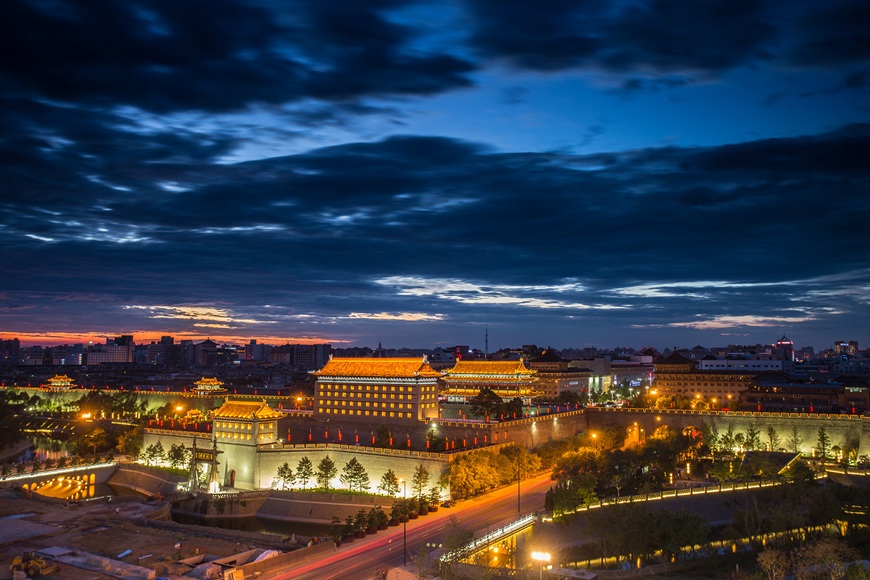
<point x="844" y="431"/>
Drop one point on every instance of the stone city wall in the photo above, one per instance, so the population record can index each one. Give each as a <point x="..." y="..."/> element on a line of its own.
<point x="844" y="431"/>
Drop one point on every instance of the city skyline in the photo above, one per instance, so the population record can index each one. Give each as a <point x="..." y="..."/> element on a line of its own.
<point x="567" y="174"/>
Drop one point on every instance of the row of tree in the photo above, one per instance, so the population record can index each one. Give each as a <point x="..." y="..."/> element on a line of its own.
<point x="770" y="439"/>
<point x="479" y="471"/>
<point x="354" y="476"/>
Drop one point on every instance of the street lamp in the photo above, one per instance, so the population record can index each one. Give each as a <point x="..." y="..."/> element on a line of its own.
<point x="405" y="522"/>
<point x="541" y="557"/>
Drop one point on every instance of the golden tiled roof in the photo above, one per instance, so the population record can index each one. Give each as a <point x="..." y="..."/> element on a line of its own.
<point x="490" y="367"/>
<point x="246" y="410"/>
<point x="60" y="381"/>
<point x="208" y="383"/>
<point x="378" y="367"/>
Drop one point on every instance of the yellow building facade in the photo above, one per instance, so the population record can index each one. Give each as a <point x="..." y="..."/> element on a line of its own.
<point x="377" y="390"/>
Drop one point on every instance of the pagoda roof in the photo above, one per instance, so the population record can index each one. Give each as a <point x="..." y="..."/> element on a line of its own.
<point x="675" y="359"/>
<point x="491" y="367"/>
<point x="246" y="410"/>
<point x="549" y="356"/>
<point x="378" y="368"/>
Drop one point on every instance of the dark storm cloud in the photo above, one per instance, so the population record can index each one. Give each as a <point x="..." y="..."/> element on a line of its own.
<point x="452" y="209"/>
<point x="166" y="56"/>
<point x="763" y="233"/>
<point x="660" y="37"/>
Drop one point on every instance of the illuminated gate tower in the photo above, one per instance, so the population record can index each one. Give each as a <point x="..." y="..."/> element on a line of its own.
<point x="377" y="390"/>
<point x="507" y="379"/>
<point x="59" y="383"/>
<point x="209" y="386"/>
<point x="240" y="428"/>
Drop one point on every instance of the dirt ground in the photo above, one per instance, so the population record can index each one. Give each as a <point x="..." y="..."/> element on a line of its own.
<point x="108" y="529"/>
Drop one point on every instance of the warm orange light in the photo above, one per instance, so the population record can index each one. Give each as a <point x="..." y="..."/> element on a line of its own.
<point x="86" y="415"/>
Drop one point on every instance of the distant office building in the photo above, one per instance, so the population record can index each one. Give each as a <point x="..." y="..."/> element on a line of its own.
<point x="677" y="375"/>
<point x="257" y="352"/>
<point x="849" y="347"/>
<point x="784" y="349"/>
<point x="206" y="353"/>
<point x="556" y="375"/>
<point x="601" y="380"/>
<point x="117" y="350"/>
<point x="306" y="357"/>
<point x="164" y="353"/>
<point x="763" y="364"/>
<point x="9" y="351"/>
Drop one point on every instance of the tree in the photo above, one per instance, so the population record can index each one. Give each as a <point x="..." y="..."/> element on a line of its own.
<point x="389" y="483"/>
<point x="486" y="403"/>
<point x="154" y="453"/>
<point x="130" y="443"/>
<point x="773" y="440"/>
<point x="726" y="440"/>
<point x="336" y="530"/>
<point x="98" y="438"/>
<point x="455" y="537"/>
<point x="794" y="440"/>
<point x="753" y="439"/>
<point x="354" y="476"/>
<point x="326" y="470"/>
<point x="377" y="519"/>
<point x="774" y="562"/>
<point x="304" y="471"/>
<point x="823" y="444"/>
<point x="829" y="555"/>
<point x="177" y="455"/>
<point x="423" y="566"/>
<point x="286" y="475"/>
<point x="513" y="408"/>
<point x="420" y="481"/>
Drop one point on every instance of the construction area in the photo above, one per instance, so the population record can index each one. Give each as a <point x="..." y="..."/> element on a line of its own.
<point x="105" y="539"/>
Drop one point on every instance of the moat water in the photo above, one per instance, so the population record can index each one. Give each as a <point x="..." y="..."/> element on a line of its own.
<point x="255" y="524"/>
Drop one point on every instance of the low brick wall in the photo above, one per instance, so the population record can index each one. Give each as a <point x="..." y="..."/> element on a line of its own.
<point x="145" y="480"/>
<point x="314" y="507"/>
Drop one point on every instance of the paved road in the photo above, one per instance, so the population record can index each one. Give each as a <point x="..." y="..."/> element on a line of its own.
<point x="362" y="559"/>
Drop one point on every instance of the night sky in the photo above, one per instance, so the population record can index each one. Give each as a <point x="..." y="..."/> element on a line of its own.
<point x="588" y="173"/>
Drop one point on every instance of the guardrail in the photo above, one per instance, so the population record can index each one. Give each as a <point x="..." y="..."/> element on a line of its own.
<point x="489" y="538"/>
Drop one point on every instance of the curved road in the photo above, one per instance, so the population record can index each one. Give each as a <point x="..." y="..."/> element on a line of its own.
<point x="363" y="558"/>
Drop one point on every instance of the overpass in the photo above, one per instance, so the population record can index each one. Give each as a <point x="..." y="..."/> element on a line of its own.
<point x="844" y="431"/>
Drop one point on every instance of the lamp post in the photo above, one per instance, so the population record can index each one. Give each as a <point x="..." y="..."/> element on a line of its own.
<point x="405" y="523"/>
<point x="541" y="557"/>
<point x="518" y="481"/>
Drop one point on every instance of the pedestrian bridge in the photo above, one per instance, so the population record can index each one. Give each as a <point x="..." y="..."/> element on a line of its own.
<point x="67" y="483"/>
<point x="494" y="537"/>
